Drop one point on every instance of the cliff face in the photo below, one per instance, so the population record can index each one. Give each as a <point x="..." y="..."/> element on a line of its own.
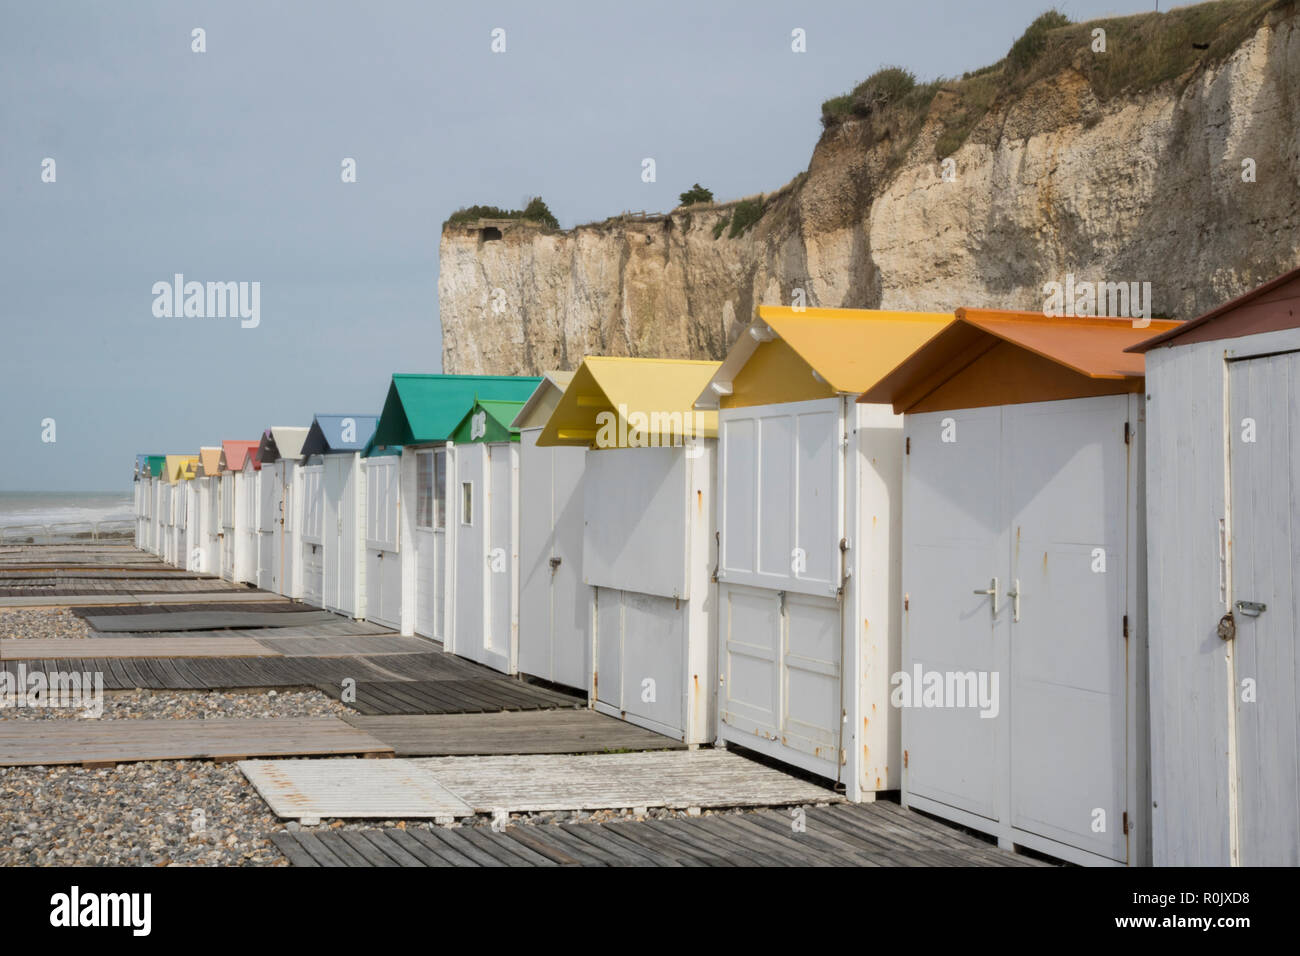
<point x="1143" y="187"/>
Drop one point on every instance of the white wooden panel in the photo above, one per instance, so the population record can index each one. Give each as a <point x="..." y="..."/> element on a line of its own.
<point x="779" y="487"/>
<point x="955" y="541"/>
<point x="1066" y="471"/>
<point x="1265" y="478"/>
<point x="636" y="508"/>
<point x="640" y="645"/>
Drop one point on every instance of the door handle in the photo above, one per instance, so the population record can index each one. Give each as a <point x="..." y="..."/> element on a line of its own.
<point x="1014" y="594"/>
<point x="992" y="591"/>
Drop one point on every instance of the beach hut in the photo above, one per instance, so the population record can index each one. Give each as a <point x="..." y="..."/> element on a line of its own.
<point x="277" y="541"/>
<point x="407" y="577"/>
<point x="205" y="540"/>
<point x="485" y="541"/>
<point x="179" y="471"/>
<point x="553" y="600"/>
<point x="143" y="489"/>
<point x="1022" y="686"/>
<point x="333" y="447"/>
<point x="248" y="533"/>
<point x="1223" y="466"/>
<point x="382" y="554"/>
<point x="648" y="549"/>
<point x="156" y="475"/>
<point x="809" y="508"/>
<point x="234" y="509"/>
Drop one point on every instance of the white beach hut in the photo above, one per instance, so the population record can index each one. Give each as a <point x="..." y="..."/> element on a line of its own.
<point x="809" y="509"/>
<point x="205" y="556"/>
<point x="553" y="600"/>
<point x="1023" y="679"/>
<point x="278" y="506"/>
<point x="333" y="447"/>
<point x="409" y="582"/>
<point x="648" y="550"/>
<point x="1223" y="545"/>
<point x="235" y="510"/>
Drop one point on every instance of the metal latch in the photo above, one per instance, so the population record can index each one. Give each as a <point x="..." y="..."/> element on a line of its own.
<point x="1014" y="594"/>
<point x="555" y="563"/>
<point x="1251" y="608"/>
<point x="992" y="591"/>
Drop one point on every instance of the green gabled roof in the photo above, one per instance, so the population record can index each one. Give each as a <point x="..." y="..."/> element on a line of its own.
<point x="497" y="419"/>
<point x="157" y="465"/>
<point x="421" y="409"/>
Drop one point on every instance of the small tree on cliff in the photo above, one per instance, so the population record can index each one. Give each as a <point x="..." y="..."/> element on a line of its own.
<point x="696" y="193"/>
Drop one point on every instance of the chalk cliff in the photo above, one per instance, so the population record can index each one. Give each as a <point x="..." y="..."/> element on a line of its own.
<point x="1056" y="178"/>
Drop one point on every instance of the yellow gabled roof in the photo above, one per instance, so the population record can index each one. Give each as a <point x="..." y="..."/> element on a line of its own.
<point x="849" y="350"/>
<point x="181" y="467"/>
<point x="636" y="393"/>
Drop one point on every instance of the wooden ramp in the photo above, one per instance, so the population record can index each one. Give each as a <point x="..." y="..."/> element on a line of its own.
<point x="67" y="648"/>
<point x="351" y="788"/>
<point x="519" y="732"/>
<point x="95" y="742"/>
<point x="688" y="778"/>
<point x="205" y="620"/>
<point x="875" y="834"/>
<point x="224" y="597"/>
<point x="226" y="673"/>
<point x="482" y="693"/>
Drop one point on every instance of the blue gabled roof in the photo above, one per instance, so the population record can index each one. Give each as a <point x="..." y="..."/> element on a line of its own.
<point x="327" y="434"/>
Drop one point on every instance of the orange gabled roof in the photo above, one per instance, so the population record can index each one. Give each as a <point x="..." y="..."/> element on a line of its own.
<point x="209" y="461"/>
<point x="1090" y="347"/>
<point x="233" y="454"/>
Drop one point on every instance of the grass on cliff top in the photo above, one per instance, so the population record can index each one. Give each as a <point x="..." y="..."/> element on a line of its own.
<point x="535" y="211"/>
<point x="1142" y="52"/>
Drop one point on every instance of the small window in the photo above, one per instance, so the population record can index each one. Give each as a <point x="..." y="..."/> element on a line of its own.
<point x="467" y="503"/>
<point x="424" y="489"/>
<point x="440" y="489"/>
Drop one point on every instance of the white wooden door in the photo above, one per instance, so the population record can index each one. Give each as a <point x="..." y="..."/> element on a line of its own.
<point x="383" y="564"/>
<point x="1265" y="482"/>
<point x="1066" y="470"/>
<point x="334" y="479"/>
<point x="780" y="515"/>
<point x="471" y="517"/>
<point x="312" y="537"/>
<point x="553" y="601"/>
<point x="501" y="558"/>
<point x="1015" y="571"/>
<point x="268" y="513"/>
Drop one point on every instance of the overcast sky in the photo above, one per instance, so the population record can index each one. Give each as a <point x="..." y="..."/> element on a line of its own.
<point x="225" y="166"/>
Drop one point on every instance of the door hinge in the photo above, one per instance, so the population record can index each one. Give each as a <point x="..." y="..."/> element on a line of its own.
<point x="904" y="758"/>
<point x="1126" y="627"/>
<point x="1126" y="823"/>
<point x="908" y="446"/>
<point x="1128" y="434"/>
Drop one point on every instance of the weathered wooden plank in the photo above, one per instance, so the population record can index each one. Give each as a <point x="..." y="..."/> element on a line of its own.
<point x="292" y="849"/>
<point x="510" y="732"/>
<point x="689" y="778"/>
<point x="373" y="789"/>
<point x="30" y="648"/>
<point x="28" y="743"/>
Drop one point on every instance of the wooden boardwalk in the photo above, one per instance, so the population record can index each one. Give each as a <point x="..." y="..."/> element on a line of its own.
<point x="63" y="648"/>
<point x="207" y="620"/>
<point x="521" y="732"/>
<point x="685" y="778"/>
<point x="104" y="742"/>
<point x="875" y="834"/>
<point x="365" y="789"/>
<point x="109" y="600"/>
<point x="483" y="693"/>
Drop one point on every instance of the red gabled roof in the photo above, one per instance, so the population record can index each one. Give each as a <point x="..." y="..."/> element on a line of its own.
<point x="1273" y="306"/>
<point x="233" y="454"/>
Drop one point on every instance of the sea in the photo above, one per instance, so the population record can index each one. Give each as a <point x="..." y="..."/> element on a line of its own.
<point x="64" y="512"/>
